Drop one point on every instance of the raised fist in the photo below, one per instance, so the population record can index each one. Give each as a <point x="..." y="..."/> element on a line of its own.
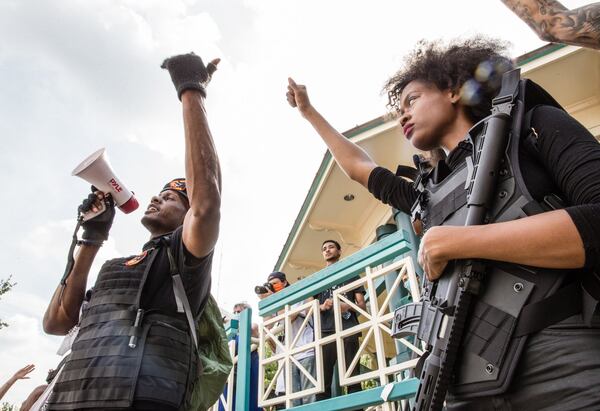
<point x="297" y="96"/>
<point x="188" y="72"/>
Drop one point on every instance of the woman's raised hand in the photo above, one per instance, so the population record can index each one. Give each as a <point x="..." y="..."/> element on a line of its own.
<point x="297" y="96"/>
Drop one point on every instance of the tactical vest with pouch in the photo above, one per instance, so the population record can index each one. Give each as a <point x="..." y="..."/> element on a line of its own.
<point x="120" y="355"/>
<point x="516" y="300"/>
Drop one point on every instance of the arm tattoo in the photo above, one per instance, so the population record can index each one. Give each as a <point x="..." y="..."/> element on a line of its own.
<point x="554" y="22"/>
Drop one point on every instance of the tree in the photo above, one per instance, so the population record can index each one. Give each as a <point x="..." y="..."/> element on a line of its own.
<point x="5" y="286"/>
<point x="8" y="407"/>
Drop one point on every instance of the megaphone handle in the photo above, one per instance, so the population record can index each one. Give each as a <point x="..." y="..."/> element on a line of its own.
<point x="70" y="256"/>
<point x="90" y="214"/>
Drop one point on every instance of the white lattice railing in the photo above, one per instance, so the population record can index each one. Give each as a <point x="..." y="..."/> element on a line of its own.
<point x="270" y="331"/>
<point x="375" y="323"/>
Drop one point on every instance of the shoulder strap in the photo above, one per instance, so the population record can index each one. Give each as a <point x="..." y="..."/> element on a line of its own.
<point x="153" y="253"/>
<point x="180" y="294"/>
<point x="504" y="101"/>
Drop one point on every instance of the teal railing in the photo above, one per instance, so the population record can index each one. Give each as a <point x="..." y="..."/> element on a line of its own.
<point x="398" y="244"/>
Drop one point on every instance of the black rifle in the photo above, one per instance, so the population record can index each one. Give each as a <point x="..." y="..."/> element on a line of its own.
<point x="439" y="319"/>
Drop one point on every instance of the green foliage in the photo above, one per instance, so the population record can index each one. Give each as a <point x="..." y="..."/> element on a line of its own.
<point x="8" y="407"/>
<point x="368" y="361"/>
<point x="270" y="369"/>
<point x="5" y="286"/>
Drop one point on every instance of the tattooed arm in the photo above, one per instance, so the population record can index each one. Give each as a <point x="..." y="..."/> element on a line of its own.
<point x="554" y="22"/>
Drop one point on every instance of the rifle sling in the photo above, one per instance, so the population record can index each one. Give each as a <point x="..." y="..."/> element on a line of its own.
<point x="563" y="304"/>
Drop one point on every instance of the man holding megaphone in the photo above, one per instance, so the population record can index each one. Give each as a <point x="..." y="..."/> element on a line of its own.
<point x="135" y="347"/>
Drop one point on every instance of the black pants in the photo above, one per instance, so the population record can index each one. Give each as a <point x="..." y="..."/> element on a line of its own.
<point x="559" y="370"/>
<point x="330" y="358"/>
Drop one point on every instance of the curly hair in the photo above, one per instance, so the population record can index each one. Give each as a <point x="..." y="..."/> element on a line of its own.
<point x="472" y="67"/>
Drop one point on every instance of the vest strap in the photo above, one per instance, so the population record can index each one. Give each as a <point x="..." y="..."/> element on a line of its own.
<point x="180" y="294"/>
<point x="113" y="299"/>
<point x="121" y="397"/>
<point x="97" y="372"/>
<point x="105" y="317"/>
<point x="450" y="204"/>
<point x="121" y="350"/>
<point x="117" y="284"/>
<point x="112" y="331"/>
<point x="563" y="304"/>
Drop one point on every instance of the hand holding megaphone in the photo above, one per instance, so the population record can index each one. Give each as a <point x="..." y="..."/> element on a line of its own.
<point x="96" y="170"/>
<point x="97" y="212"/>
<point x="95" y="204"/>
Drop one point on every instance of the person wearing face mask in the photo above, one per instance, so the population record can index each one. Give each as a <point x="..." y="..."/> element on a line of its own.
<point x="277" y="281"/>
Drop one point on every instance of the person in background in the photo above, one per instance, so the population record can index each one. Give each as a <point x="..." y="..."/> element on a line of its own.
<point x="277" y="281"/>
<point x="33" y="397"/>
<point x="332" y="252"/>
<point x="238" y="308"/>
<point x="21" y="374"/>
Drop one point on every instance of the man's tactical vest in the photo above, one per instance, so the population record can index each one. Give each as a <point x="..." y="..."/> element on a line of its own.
<point x="107" y="368"/>
<point x="516" y="300"/>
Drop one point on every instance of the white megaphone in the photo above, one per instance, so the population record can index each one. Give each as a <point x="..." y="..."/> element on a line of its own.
<point x="96" y="170"/>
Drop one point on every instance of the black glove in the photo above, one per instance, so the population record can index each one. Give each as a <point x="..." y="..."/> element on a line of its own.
<point x="96" y="229"/>
<point x="189" y="72"/>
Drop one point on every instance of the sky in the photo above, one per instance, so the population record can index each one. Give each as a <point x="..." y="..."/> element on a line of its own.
<point x="78" y="75"/>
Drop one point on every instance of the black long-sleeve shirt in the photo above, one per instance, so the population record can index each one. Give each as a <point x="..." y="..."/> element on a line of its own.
<point x="566" y="152"/>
